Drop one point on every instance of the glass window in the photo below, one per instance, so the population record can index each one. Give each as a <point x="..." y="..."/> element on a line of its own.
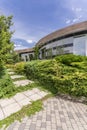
<point x="79" y="46"/>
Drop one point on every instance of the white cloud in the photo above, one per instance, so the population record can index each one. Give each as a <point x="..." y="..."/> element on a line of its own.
<point x="75" y="20"/>
<point x="29" y="41"/>
<point x="68" y="21"/>
<point x="17" y="45"/>
<point x="78" y="9"/>
<point x="20" y="48"/>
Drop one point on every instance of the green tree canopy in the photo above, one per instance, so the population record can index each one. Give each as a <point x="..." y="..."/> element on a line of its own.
<point x="6" y="46"/>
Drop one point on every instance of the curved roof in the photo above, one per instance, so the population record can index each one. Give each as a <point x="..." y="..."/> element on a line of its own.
<point x="29" y="50"/>
<point x="79" y="27"/>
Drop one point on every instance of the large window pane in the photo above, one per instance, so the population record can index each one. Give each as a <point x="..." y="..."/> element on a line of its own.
<point x="79" y="46"/>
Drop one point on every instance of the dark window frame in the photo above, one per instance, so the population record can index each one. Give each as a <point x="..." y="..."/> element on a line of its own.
<point x="63" y="46"/>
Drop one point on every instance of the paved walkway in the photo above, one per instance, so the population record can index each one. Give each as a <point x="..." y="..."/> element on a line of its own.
<point x="21" y="82"/>
<point x="15" y="103"/>
<point x="16" y="76"/>
<point x="58" y="114"/>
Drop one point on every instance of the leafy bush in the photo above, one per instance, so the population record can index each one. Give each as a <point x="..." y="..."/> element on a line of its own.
<point x="11" y="66"/>
<point x="64" y="74"/>
<point x="68" y="59"/>
<point x="6" y="85"/>
<point x="19" y="67"/>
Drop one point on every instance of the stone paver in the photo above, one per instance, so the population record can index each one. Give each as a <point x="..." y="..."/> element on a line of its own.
<point x="15" y="103"/>
<point x="22" y="82"/>
<point x="1" y="114"/>
<point x="11" y="73"/>
<point x="10" y="109"/>
<point x="58" y="114"/>
<point x="9" y="70"/>
<point x="16" y="76"/>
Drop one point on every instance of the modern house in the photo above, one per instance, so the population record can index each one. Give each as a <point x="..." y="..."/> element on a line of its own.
<point x="26" y="54"/>
<point x="72" y="39"/>
<point x="69" y="40"/>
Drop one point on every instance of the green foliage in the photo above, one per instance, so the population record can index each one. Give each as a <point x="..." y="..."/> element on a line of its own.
<point x="6" y="85"/>
<point x="11" y="66"/>
<point x="68" y="59"/>
<point x="12" y="58"/>
<point x="36" y="52"/>
<point x="19" y="67"/>
<point x="5" y="35"/>
<point x="7" y="88"/>
<point x="64" y="74"/>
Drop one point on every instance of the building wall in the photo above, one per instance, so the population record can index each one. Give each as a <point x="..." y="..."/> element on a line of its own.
<point x="76" y="45"/>
<point x="86" y="45"/>
<point x="59" y="44"/>
<point x="26" y="55"/>
<point x="79" y="45"/>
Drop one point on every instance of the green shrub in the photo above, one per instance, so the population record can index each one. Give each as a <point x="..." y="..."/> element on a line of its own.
<point x="6" y="85"/>
<point x="19" y="67"/>
<point x="11" y="66"/>
<point x="64" y="74"/>
<point x="68" y="59"/>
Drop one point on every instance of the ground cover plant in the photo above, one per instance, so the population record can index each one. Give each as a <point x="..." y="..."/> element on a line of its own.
<point x="6" y="84"/>
<point x="8" y="89"/>
<point x="25" y="111"/>
<point x="64" y="74"/>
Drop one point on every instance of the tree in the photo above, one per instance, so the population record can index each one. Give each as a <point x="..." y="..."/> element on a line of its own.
<point x="36" y="52"/>
<point x="13" y="58"/>
<point x="6" y="46"/>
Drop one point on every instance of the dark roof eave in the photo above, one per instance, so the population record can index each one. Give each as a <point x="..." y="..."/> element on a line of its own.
<point x="26" y="52"/>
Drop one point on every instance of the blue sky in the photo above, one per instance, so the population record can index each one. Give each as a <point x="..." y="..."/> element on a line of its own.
<point x="33" y="19"/>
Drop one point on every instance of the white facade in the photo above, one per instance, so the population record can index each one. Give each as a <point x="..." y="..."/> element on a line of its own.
<point x="80" y="45"/>
<point x="75" y="45"/>
<point x="26" y="56"/>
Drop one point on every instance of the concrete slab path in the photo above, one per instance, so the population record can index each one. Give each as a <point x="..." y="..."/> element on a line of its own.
<point x="16" y="76"/>
<point x="58" y="114"/>
<point x="11" y="73"/>
<point x="22" y="82"/>
<point x="15" y="103"/>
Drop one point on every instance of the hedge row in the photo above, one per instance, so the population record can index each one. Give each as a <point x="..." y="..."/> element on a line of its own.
<point x="65" y="74"/>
